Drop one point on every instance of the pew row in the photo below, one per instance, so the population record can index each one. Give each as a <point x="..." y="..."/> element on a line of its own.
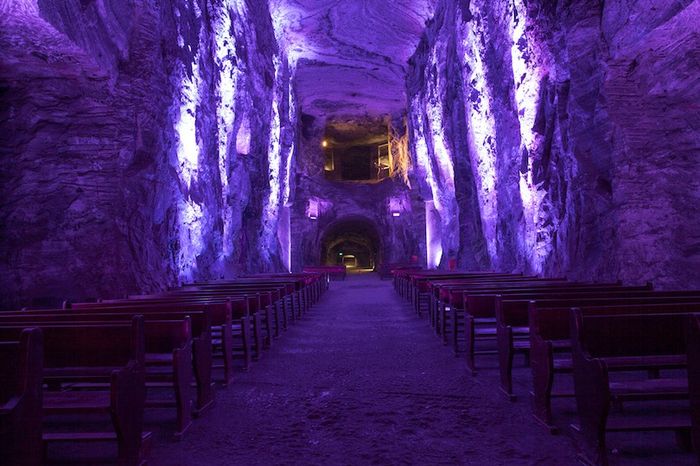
<point x="551" y="346"/>
<point x="111" y="353"/>
<point x="602" y="344"/>
<point x="512" y="318"/>
<point x="167" y="358"/>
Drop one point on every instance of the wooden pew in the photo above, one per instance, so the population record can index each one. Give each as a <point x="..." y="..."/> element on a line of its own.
<point x="272" y="301"/>
<point x="290" y="295"/>
<point x="168" y="357"/>
<point x="201" y="330"/>
<point x="693" y="350"/>
<point x="419" y="284"/>
<point x="603" y="343"/>
<point x="265" y="301"/>
<point x="441" y="291"/>
<point x="21" y="367"/>
<point x="550" y="346"/>
<point x="308" y="286"/>
<point x="245" y="316"/>
<point x="111" y="352"/>
<point x="221" y="323"/>
<point x="311" y="284"/>
<point x="479" y="310"/>
<point x="512" y="325"/>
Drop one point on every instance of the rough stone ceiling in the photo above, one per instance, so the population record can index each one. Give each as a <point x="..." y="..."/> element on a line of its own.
<point x="351" y="54"/>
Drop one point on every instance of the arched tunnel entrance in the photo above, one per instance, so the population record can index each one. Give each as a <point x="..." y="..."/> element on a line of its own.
<point x="352" y="241"/>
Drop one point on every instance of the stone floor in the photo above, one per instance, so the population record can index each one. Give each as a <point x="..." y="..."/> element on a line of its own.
<point x="363" y="380"/>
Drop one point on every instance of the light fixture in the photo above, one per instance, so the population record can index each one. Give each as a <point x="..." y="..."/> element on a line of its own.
<point x="324" y="143"/>
<point x="312" y="209"/>
<point x="396" y="206"/>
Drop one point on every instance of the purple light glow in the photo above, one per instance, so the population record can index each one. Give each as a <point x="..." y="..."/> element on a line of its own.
<point x="422" y="154"/>
<point x="243" y="137"/>
<point x="434" y="114"/>
<point x="527" y="59"/>
<point x="290" y="151"/>
<point x="274" y="156"/>
<point x="284" y="236"/>
<point x="185" y="126"/>
<point x="191" y="218"/>
<point x="315" y="207"/>
<point x="225" y="50"/>
<point x="435" y="158"/>
<point x="190" y="213"/>
<point x="482" y="127"/>
<point x="312" y="209"/>
<point x="433" y="235"/>
<point x="287" y="21"/>
<point x="398" y="205"/>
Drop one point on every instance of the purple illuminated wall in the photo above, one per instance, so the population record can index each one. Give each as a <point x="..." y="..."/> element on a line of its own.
<point x="568" y="129"/>
<point x="138" y="142"/>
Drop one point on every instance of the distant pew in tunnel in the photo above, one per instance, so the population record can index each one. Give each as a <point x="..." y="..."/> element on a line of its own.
<point x="338" y="272"/>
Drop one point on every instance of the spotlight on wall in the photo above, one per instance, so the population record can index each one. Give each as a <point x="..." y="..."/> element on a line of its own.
<point x="396" y="206"/>
<point x="324" y="143"/>
<point x="312" y="209"/>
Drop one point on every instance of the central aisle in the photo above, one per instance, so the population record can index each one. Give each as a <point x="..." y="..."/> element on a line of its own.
<point x="362" y="380"/>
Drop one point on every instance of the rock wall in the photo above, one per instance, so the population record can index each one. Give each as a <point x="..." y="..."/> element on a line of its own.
<point x="569" y="131"/>
<point x="144" y="143"/>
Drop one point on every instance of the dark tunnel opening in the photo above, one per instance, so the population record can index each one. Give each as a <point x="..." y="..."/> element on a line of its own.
<point x="353" y="242"/>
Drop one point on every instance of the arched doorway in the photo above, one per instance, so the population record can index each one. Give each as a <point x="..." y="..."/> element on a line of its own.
<point x="353" y="242"/>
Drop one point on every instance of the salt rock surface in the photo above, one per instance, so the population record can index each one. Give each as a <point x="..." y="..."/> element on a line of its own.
<point x="352" y="55"/>
<point x="117" y="173"/>
<point x="568" y="131"/>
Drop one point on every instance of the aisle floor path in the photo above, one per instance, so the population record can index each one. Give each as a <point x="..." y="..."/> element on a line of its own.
<point x="363" y="380"/>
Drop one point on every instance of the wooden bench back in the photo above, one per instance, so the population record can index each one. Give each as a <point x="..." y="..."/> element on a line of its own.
<point x="21" y="363"/>
<point x="693" y="354"/>
<point x="512" y="309"/>
<point x="628" y="335"/>
<point x="163" y="336"/>
<point x="163" y="332"/>
<point x="111" y="344"/>
<point x="265" y="296"/>
<point x="296" y="282"/>
<point x="248" y="301"/>
<point x="553" y="323"/>
<point x="457" y="295"/>
<point x="458" y="282"/>
<point x="426" y="284"/>
<point x="217" y="313"/>
<point x="21" y="369"/>
<point x="282" y="289"/>
<point x="482" y="301"/>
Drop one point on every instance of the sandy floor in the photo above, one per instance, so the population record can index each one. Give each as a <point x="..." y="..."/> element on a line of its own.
<point x="362" y="380"/>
